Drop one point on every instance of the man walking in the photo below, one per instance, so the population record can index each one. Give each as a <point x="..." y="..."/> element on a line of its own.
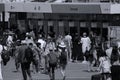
<point x="52" y="60"/>
<point x="24" y="57"/>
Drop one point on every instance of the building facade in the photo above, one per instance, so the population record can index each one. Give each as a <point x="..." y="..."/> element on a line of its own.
<point x="100" y="18"/>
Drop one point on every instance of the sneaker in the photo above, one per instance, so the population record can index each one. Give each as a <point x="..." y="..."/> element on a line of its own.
<point x="84" y="62"/>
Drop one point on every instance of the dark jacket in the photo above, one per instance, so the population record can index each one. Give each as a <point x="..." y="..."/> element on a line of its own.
<point x="21" y="53"/>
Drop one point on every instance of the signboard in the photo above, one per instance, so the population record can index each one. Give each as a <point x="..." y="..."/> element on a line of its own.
<point x="81" y="8"/>
<point x="105" y="8"/>
<point x="37" y="7"/>
<point x="28" y="7"/>
<point x="14" y="7"/>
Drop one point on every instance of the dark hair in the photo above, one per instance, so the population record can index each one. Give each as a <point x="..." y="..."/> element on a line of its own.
<point x="103" y="53"/>
<point x="63" y="49"/>
<point x="31" y="44"/>
<point x="29" y="37"/>
<point x="38" y="44"/>
<point x="115" y="50"/>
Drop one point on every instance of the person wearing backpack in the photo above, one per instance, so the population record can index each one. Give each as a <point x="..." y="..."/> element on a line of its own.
<point x="52" y="60"/>
<point x="5" y="56"/>
<point x="35" y="60"/>
<point x="25" y="57"/>
<point x="50" y="44"/>
<point x="63" y="59"/>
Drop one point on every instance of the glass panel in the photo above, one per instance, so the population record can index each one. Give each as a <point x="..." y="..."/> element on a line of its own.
<point x="71" y="23"/>
<point x="93" y="24"/>
<point x="50" y="23"/>
<point x="82" y="24"/>
<point x="40" y="23"/>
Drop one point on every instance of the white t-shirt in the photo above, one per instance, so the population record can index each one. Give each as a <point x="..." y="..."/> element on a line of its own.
<point x="42" y="42"/>
<point x="9" y="40"/>
<point x="109" y="52"/>
<point x="68" y="39"/>
<point x="104" y="64"/>
<point x="85" y="44"/>
<point x="85" y="41"/>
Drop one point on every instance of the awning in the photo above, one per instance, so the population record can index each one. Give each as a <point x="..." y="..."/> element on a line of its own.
<point x="38" y="7"/>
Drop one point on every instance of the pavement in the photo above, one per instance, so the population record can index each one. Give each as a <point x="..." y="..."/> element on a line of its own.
<point x="74" y="71"/>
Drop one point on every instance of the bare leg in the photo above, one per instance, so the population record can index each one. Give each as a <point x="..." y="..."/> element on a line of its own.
<point x="63" y="67"/>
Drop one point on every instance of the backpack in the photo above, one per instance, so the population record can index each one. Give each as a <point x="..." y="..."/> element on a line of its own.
<point x="28" y="57"/>
<point x="63" y="56"/>
<point x="53" y="59"/>
<point x="5" y="56"/>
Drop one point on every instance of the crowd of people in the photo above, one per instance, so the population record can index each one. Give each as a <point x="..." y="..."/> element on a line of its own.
<point x="44" y="55"/>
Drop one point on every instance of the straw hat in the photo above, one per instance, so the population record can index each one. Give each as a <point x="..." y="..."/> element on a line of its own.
<point x="62" y="44"/>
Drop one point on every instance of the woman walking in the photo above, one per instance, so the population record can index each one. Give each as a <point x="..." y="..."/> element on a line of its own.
<point x="63" y="59"/>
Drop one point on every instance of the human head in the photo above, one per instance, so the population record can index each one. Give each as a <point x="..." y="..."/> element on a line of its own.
<point x="30" y="45"/>
<point x="40" y="35"/>
<point x="84" y="34"/>
<point x="76" y="34"/>
<point x="49" y="39"/>
<point x="103" y="53"/>
<point x="38" y="44"/>
<point x="50" y="49"/>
